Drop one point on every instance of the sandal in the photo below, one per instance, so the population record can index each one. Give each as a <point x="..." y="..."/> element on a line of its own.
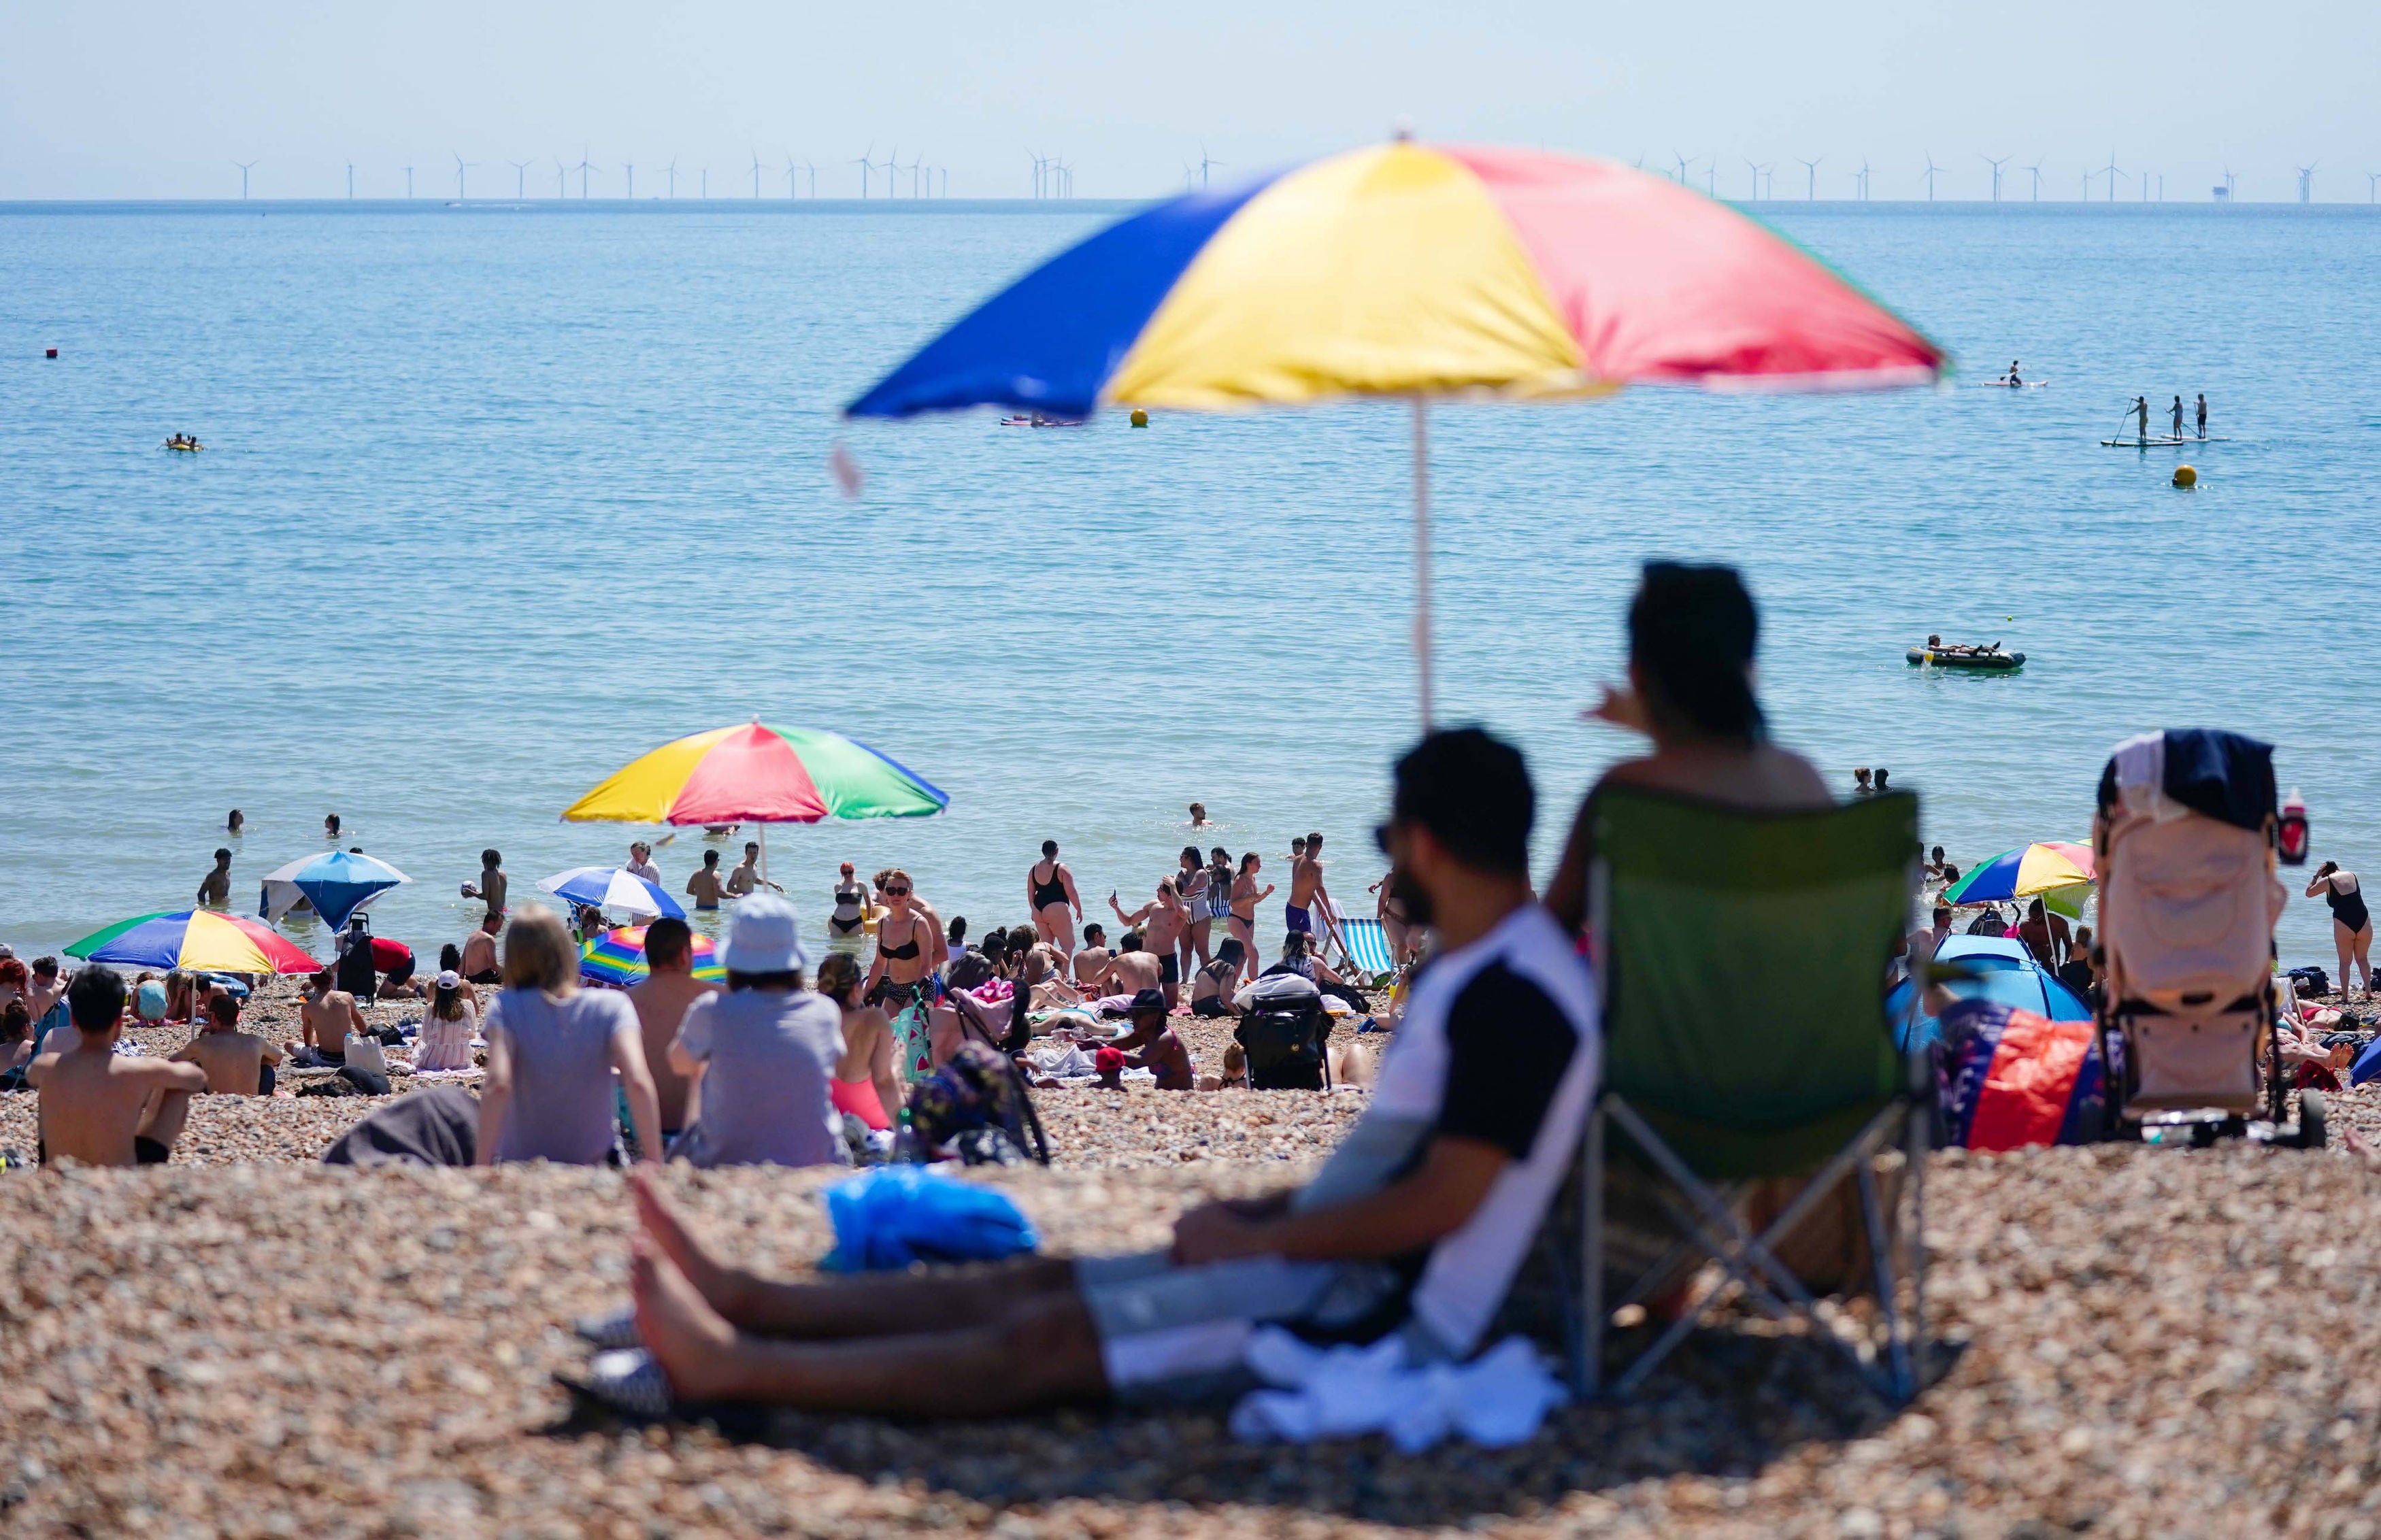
<point x="626" y="1381"/>
<point x="617" y="1330"/>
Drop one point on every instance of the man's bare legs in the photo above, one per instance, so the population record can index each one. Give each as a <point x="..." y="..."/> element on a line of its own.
<point x="1005" y="1341"/>
<point x="870" y="1305"/>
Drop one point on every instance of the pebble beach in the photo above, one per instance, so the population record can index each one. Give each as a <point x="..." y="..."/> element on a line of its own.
<point x="2137" y="1341"/>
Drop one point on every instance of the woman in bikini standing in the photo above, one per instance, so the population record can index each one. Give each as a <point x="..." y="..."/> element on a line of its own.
<point x="1192" y="883"/>
<point x="907" y="947"/>
<point x="847" y="928"/>
<point x="1050" y="894"/>
<point x="1246" y="896"/>
<point x="1397" y="926"/>
<point x="864" y="1084"/>
<point x="2351" y="922"/>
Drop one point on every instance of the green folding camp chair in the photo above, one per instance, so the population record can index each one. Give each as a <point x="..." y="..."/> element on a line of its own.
<point x="1742" y="958"/>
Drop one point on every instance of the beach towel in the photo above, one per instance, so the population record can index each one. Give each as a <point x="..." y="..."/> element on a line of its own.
<point x="1497" y="1400"/>
<point x="436" y="1126"/>
<point x="898" y="1215"/>
<point x="2014" y="1078"/>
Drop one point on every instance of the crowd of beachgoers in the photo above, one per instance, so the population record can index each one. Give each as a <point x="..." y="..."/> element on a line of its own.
<point x="890" y="1034"/>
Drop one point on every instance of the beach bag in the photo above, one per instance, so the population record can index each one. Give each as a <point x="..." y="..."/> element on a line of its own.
<point x="978" y="1089"/>
<point x="2012" y="1078"/>
<point x="1281" y="1030"/>
<point x="896" y="1215"/>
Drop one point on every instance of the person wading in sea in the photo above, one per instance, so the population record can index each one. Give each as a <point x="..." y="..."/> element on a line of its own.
<point x="1050" y="894"/>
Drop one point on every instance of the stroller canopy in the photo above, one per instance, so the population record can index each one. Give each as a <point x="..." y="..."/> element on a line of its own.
<point x="2205" y="770"/>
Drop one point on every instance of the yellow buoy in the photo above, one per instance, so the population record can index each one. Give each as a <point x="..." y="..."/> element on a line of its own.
<point x="1139" y="418"/>
<point x="2185" y="476"/>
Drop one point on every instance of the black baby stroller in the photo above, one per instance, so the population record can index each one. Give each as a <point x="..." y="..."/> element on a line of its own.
<point x="2184" y="846"/>
<point x="1283" y="1030"/>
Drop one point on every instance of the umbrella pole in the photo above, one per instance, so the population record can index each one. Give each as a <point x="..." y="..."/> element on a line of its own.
<point x="1422" y="551"/>
<point x="765" y="853"/>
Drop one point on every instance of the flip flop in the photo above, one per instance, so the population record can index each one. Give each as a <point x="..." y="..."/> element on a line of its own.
<point x="626" y="1381"/>
<point x="617" y="1330"/>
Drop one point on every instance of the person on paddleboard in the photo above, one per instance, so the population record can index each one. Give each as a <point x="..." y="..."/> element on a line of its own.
<point x="2013" y="379"/>
<point x="2178" y="417"/>
<point x="2141" y="416"/>
<point x="2202" y="414"/>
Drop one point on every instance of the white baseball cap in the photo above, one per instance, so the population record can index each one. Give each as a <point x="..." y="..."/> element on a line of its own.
<point x="767" y="937"/>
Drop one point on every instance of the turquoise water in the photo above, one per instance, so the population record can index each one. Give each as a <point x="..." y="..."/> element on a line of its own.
<point x="494" y="500"/>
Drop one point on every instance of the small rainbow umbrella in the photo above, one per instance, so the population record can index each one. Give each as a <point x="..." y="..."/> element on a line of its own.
<point x="194" y="939"/>
<point x="756" y="773"/>
<point x="1413" y="271"/>
<point x="618" y="958"/>
<point x="2060" y="871"/>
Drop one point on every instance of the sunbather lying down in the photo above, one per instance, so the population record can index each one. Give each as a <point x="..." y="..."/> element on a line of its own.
<point x="1454" y="1160"/>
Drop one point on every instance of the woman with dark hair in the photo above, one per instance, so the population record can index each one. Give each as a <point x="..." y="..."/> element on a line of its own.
<point x="1246" y="896"/>
<point x="1692" y="633"/>
<point x="1192" y="883"/>
<point x="864" y="1084"/>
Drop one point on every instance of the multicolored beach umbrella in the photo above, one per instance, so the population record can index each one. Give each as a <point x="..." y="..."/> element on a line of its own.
<point x="760" y="774"/>
<point x="2060" y="871"/>
<point x="618" y="958"/>
<point x="337" y="883"/>
<point x="611" y="887"/>
<point x="194" y="939"/>
<point x="1414" y="271"/>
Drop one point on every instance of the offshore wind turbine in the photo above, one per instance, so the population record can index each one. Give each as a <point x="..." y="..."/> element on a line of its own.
<point x="1997" y="165"/>
<point x="892" y="164"/>
<point x="245" y="165"/>
<point x="1683" y="163"/>
<point x="1754" y="167"/>
<point x="631" y="167"/>
<point x="1931" y="169"/>
<point x="1205" y="163"/>
<point x="792" y="166"/>
<point x="1863" y="180"/>
<point x="561" y="182"/>
<point x="461" y="165"/>
<point x="2035" y="171"/>
<point x="352" y="181"/>
<point x="756" y="176"/>
<point x="1811" y="182"/>
<point x="672" y="170"/>
<point x="2306" y="184"/>
<point x="862" y="162"/>
<point x="2373" y="187"/>
<point x="915" y="162"/>
<point x="520" y="180"/>
<point x="408" y="183"/>
<point x="2112" y="173"/>
<point x="583" y="167"/>
<point x="2229" y="180"/>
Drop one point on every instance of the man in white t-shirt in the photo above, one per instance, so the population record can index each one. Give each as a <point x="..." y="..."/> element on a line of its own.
<point x="1416" y="1225"/>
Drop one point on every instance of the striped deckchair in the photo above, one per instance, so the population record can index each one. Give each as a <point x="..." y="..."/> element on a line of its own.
<point x="1365" y="946"/>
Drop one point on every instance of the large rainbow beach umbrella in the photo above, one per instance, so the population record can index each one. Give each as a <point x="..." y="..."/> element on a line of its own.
<point x="1413" y="271"/>
<point x="196" y="939"/>
<point x="757" y="774"/>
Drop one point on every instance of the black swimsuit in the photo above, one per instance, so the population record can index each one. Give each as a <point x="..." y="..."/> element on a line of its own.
<point x="2347" y="908"/>
<point x="1048" y="893"/>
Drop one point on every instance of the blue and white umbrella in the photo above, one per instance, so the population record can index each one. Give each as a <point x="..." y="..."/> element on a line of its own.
<point x="337" y="883"/>
<point x="611" y="887"/>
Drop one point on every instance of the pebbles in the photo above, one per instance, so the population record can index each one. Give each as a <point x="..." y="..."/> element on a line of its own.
<point x="2153" y="1340"/>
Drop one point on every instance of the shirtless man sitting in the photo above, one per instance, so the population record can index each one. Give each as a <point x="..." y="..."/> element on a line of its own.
<point x="237" y="1063"/>
<point x="101" y="1106"/>
<point x="1094" y="956"/>
<point x="326" y="1016"/>
<point x="479" y="964"/>
<point x="1128" y="973"/>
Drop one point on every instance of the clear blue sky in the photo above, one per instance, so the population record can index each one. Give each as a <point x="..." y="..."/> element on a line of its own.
<point x="116" y="98"/>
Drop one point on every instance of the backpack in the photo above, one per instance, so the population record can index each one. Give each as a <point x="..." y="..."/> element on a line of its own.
<point x="1282" y="1031"/>
<point x="979" y="1092"/>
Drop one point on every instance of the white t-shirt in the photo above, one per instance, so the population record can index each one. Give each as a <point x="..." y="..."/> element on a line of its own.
<point x="1499" y="1043"/>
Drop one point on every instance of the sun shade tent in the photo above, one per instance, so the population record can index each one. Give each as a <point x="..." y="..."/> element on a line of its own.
<point x="1413" y="271"/>
<point x="1742" y="960"/>
<point x="337" y="883"/>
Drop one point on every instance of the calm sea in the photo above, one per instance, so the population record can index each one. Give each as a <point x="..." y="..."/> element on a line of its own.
<point x="496" y="499"/>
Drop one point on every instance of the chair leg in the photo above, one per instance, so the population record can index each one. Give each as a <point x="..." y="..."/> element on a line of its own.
<point x="1587" y="1370"/>
<point x="1919" y="1139"/>
<point x="1880" y="1256"/>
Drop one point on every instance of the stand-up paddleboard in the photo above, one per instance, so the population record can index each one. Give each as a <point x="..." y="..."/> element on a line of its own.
<point x="2004" y="382"/>
<point x="1041" y="422"/>
<point x="2160" y="443"/>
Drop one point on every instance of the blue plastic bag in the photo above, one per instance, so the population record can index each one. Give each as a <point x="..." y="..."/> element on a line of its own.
<point x="898" y="1215"/>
